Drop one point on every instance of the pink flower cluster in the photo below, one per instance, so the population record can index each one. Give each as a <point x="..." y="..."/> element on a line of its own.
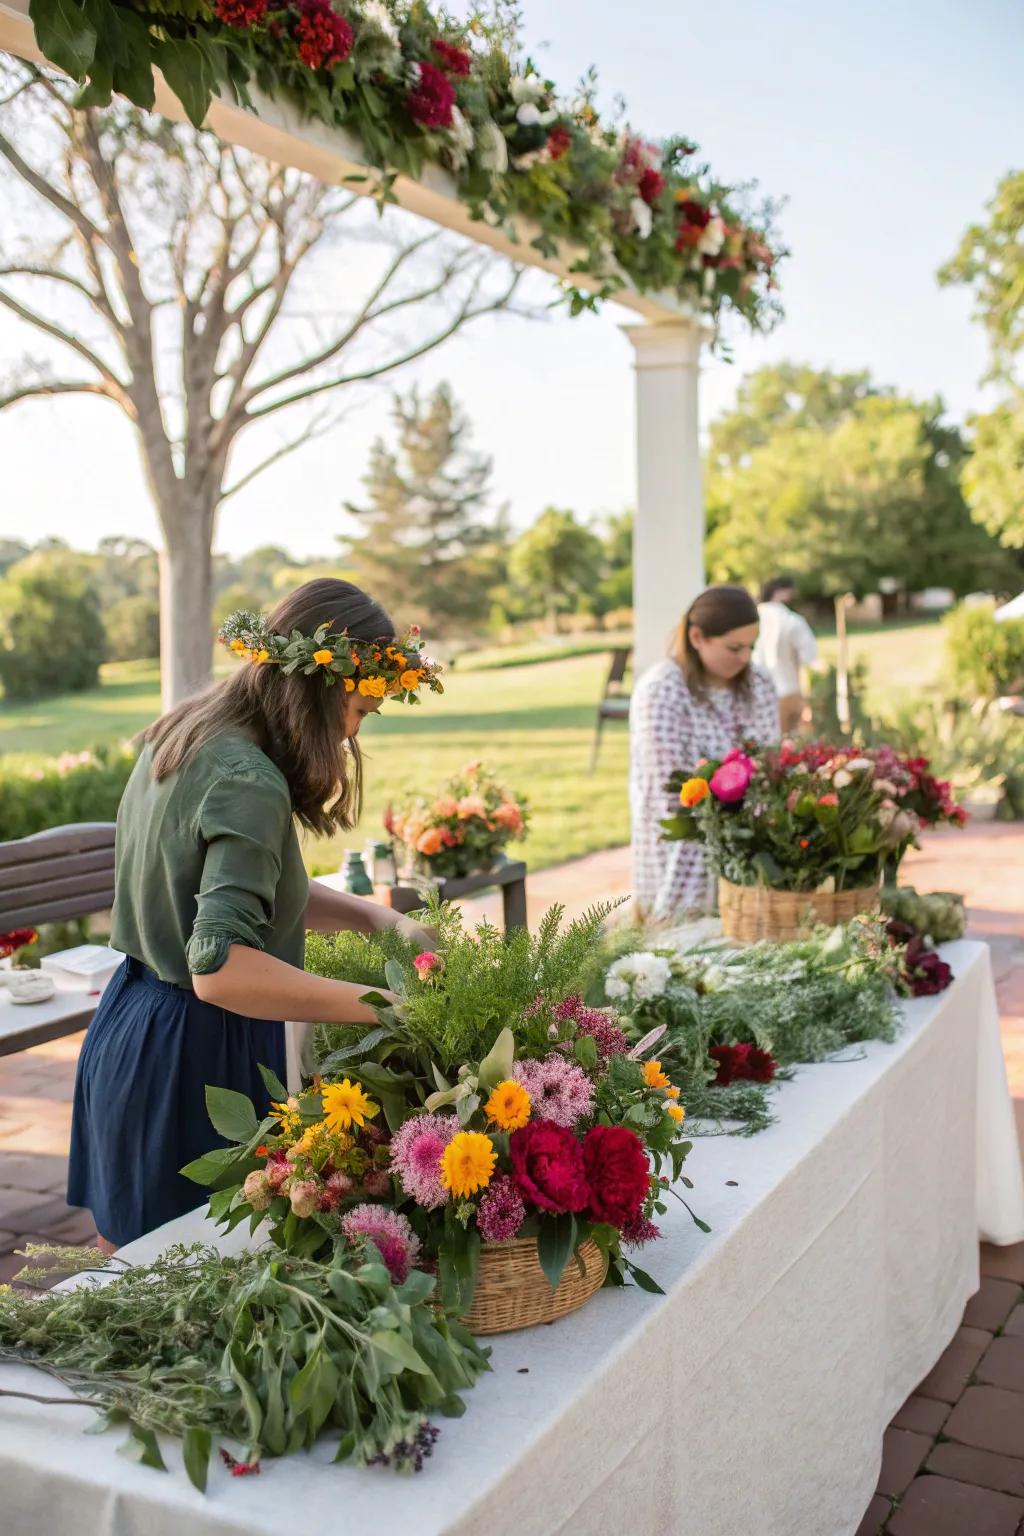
<point x="390" y="1230"/>
<point x="560" y="1091"/>
<point x="608" y="1037"/>
<point x="416" y="1152"/>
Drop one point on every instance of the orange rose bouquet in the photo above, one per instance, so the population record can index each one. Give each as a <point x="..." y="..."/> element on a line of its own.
<point x="464" y="828"/>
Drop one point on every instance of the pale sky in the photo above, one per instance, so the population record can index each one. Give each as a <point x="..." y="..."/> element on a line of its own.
<point x="886" y="125"/>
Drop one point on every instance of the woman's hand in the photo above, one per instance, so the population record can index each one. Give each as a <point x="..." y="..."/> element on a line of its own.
<point x="419" y="934"/>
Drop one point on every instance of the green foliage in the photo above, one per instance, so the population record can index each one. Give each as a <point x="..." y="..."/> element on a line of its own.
<point x="979" y="750"/>
<point x="83" y="786"/>
<point x="355" y="957"/>
<point x="990" y="262"/>
<point x="938" y="916"/>
<point x="842" y="484"/>
<point x="994" y="474"/>
<point x="265" y="1349"/>
<point x="986" y="657"/>
<point x="429" y="495"/>
<point x="51" y="631"/>
<point x="558" y="562"/>
<point x="132" y="628"/>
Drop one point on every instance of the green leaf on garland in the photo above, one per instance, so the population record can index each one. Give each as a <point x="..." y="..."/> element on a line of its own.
<point x="231" y="1114"/>
<point x="64" y="34"/>
<point x="184" y="67"/>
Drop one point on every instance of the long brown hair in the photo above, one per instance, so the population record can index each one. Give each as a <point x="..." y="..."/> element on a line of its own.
<point x="717" y="611"/>
<point x="298" y="721"/>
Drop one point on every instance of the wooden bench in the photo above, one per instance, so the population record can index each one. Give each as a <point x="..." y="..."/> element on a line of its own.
<point x="510" y="876"/>
<point x="50" y="877"/>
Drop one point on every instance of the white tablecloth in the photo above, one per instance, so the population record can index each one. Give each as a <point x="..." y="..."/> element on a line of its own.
<point x="753" y="1396"/>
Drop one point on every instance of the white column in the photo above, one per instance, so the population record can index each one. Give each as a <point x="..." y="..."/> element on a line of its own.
<point x="668" y="539"/>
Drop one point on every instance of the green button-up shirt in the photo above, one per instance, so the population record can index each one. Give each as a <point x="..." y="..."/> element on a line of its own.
<point x="208" y="858"/>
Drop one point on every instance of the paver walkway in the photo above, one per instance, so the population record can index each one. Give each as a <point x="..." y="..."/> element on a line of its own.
<point x="953" y="1461"/>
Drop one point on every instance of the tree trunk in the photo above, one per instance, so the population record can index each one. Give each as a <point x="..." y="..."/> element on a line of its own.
<point x="186" y="604"/>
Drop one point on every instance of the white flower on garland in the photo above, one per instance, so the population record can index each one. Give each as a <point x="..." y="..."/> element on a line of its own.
<point x="492" y="148"/>
<point x="526" y="88"/>
<point x="643" y="218"/>
<point x="641" y="976"/>
<point x="462" y="137"/>
<point x="377" y="14"/>
<point x="713" y="238"/>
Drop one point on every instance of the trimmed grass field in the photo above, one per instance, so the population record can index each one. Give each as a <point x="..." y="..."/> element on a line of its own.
<point x="533" y="723"/>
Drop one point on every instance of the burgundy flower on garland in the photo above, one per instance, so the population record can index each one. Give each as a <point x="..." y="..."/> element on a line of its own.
<point x="547" y="1166"/>
<point x="454" y="59"/>
<point x="324" y="37"/>
<point x="652" y="185"/>
<point x="617" y="1172"/>
<point x="559" y="141"/>
<point x="241" y="13"/>
<point x="742" y="1063"/>
<point x="431" y="103"/>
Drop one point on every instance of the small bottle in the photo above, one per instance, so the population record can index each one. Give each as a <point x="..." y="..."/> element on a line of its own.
<point x="385" y="871"/>
<point x="355" y="880"/>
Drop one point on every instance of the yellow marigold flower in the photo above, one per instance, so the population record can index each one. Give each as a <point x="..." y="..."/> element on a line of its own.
<point x="372" y="687"/>
<point x="411" y="680"/>
<point x="324" y="657"/>
<point x="467" y="1163"/>
<point x="672" y="1092"/>
<point x="239" y="647"/>
<point x="350" y="686"/>
<point x="508" y="1106"/>
<point x="654" y="1077"/>
<point x="345" y="1104"/>
<point x="693" y="792"/>
<point x="259" y="656"/>
<point x="677" y="1112"/>
<point x="399" y="659"/>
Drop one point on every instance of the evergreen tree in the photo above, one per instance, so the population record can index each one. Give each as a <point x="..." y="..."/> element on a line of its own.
<point x="430" y="551"/>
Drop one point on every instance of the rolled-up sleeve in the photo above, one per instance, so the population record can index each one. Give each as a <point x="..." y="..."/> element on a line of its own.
<point x="243" y="821"/>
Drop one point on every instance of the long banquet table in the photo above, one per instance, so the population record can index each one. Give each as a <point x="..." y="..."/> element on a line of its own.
<point x="752" y="1396"/>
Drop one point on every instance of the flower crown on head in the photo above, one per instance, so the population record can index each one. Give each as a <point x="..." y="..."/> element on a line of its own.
<point x="375" y="668"/>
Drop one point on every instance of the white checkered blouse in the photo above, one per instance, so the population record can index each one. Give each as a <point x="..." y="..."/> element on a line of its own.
<point x="669" y="729"/>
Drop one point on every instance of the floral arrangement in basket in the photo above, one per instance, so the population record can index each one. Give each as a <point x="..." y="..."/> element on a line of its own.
<point x="811" y="818"/>
<point x="489" y="1104"/>
<point x="464" y="828"/>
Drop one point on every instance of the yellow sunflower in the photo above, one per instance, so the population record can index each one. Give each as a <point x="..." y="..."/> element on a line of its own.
<point x="345" y="1104"/>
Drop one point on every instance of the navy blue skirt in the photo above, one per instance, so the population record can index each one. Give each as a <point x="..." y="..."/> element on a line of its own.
<point x="140" y="1108"/>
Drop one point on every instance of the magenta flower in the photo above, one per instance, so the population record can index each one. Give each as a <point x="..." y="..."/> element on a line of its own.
<point x="390" y="1230"/>
<point x="501" y="1212"/>
<point x="559" y="1090"/>
<point x="729" y="782"/>
<point x="416" y="1157"/>
<point x="427" y="965"/>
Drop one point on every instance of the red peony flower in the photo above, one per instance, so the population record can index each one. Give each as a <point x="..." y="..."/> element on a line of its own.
<point x="695" y="213"/>
<point x="617" y="1172"/>
<point x="547" y="1166"/>
<point x="730" y="1059"/>
<point x="652" y="185"/>
<point x="559" y="141"/>
<point x="14" y="939"/>
<point x="431" y="103"/>
<point x="455" y="60"/>
<point x="241" y="13"/>
<point x="761" y="1066"/>
<point x="324" y="37"/>
<point x="687" y="236"/>
<point x="925" y="972"/>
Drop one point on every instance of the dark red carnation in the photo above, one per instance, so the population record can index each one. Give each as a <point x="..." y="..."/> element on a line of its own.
<point x="617" y="1172"/>
<point x="695" y="213"/>
<point x="559" y="141"/>
<point x="730" y="1060"/>
<point x="652" y="185"/>
<point x="16" y="938"/>
<point x="455" y="60"/>
<point x="431" y="103"/>
<point x="241" y="13"/>
<point x="924" y="970"/>
<point x="761" y="1066"/>
<point x="547" y="1167"/>
<point x="324" y="37"/>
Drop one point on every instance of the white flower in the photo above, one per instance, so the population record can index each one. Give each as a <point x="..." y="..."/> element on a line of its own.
<point x="643" y="974"/>
<point x="715" y="979"/>
<point x="709" y="279"/>
<point x="858" y="764"/>
<point x="528" y="114"/>
<point x="462" y="134"/>
<point x="643" y="218"/>
<point x="378" y="15"/>
<point x="526" y="88"/>
<point x="841" y="778"/>
<point x="713" y="238"/>
<point x="492" y="148"/>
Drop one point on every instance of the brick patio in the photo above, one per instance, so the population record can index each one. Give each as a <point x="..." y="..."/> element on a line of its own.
<point x="953" y="1461"/>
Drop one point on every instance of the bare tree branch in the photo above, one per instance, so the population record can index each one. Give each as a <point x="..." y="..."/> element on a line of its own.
<point x="53" y="388"/>
<point x="103" y="368"/>
<point x="320" y="427"/>
<point x="55" y="275"/>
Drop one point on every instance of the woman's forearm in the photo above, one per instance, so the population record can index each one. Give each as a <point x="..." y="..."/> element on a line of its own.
<point x="328" y="911"/>
<point x="261" y="987"/>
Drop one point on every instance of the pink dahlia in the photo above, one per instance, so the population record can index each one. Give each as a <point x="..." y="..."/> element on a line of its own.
<point x="416" y="1157"/>
<point x="501" y="1212"/>
<point x="397" y="1242"/>
<point x="559" y="1090"/>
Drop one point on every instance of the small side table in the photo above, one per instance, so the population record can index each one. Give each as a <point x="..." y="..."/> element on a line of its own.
<point x="510" y="876"/>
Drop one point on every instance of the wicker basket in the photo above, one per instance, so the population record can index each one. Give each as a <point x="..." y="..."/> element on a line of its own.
<point x="512" y="1291"/>
<point x="753" y="912"/>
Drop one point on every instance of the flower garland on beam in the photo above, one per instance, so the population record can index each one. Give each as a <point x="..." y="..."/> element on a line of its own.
<point x="417" y="87"/>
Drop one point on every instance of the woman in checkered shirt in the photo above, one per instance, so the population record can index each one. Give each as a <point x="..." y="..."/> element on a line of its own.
<point x="705" y="700"/>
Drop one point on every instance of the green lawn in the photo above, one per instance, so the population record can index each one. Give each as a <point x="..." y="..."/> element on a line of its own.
<point x="532" y="724"/>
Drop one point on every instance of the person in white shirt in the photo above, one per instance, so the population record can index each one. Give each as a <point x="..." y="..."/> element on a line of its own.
<point x="785" y="644"/>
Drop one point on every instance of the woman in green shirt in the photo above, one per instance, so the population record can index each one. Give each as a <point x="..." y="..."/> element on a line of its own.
<point x="212" y="900"/>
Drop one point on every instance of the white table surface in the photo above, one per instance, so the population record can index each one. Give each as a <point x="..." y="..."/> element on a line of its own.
<point x="752" y="1397"/>
<point x="26" y="1024"/>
